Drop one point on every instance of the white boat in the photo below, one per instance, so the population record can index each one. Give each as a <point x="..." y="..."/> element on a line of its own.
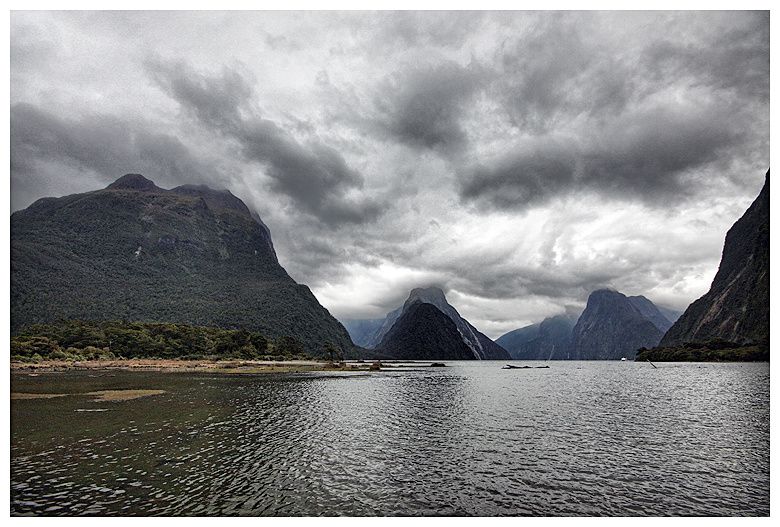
<point x="623" y="358"/>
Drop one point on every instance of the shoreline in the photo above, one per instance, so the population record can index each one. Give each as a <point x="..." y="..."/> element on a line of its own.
<point x="205" y="365"/>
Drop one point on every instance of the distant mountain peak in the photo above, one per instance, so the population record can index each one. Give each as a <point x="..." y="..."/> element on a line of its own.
<point x="431" y="295"/>
<point x="612" y="326"/>
<point x="423" y="332"/>
<point x="605" y="291"/>
<point x="134" y="182"/>
<point x="482" y="347"/>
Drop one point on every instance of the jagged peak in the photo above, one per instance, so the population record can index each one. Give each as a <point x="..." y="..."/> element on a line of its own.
<point x="430" y="294"/>
<point x="134" y="182"/>
<point x="604" y="292"/>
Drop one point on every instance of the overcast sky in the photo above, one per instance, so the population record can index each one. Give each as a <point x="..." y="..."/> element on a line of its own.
<point x="517" y="160"/>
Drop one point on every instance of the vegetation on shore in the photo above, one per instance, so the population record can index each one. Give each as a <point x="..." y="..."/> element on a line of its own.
<point x="716" y="350"/>
<point x="79" y="340"/>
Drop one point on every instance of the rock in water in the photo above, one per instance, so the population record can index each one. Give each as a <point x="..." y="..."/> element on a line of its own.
<point x="736" y="308"/>
<point x="136" y="252"/>
<point x="611" y="328"/>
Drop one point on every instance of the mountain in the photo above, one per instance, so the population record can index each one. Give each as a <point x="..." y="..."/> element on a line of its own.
<point x="136" y="252"/>
<point x="423" y="332"/>
<point x="512" y="340"/>
<point x="482" y="347"/>
<point x="362" y="330"/>
<point x="551" y="342"/>
<point x="651" y="312"/>
<point x="736" y="308"/>
<point x="612" y="327"/>
<point x="669" y="314"/>
<point x="373" y="340"/>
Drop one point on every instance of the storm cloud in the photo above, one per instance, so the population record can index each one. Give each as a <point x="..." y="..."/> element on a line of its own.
<point x="424" y="104"/>
<point x="45" y="146"/>
<point x="312" y="174"/>
<point x="650" y="154"/>
<point x="517" y="159"/>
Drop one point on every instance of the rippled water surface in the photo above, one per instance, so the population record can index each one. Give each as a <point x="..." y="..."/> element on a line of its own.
<point x="579" y="438"/>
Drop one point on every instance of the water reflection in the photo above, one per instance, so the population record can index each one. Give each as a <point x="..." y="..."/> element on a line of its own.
<point x="471" y="439"/>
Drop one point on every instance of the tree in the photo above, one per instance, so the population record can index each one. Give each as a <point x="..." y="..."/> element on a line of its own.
<point x="288" y="346"/>
<point x="333" y="353"/>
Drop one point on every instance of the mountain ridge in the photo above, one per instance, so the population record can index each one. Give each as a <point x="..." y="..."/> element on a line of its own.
<point x="424" y="332"/>
<point x="736" y="307"/>
<point x="133" y="251"/>
<point x="482" y="346"/>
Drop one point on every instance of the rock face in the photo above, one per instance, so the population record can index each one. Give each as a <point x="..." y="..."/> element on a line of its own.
<point x="136" y="252"/>
<point x="373" y="340"/>
<point x="482" y="347"/>
<point x="513" y="340"/>
<point x="548" y="340"/>
<point x="736" y="308"/>
<point x="423" y="332"/>
<point x="611" y="327"/>
<point x="651" y="312"/>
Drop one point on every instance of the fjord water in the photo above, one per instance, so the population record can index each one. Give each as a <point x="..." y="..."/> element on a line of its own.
<point x="579" y="438"/>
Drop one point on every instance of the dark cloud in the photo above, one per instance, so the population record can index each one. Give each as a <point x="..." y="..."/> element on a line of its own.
<point x="555" y="72"/>
<point x="422" y="106"/>
<point x="312" y="174"/>
<point x="646" y="155"/>
<point x="102" y="145"/>
<point x="533" y="173"/>
<point x="733" y="59"/>
<point x="216" y="101"/>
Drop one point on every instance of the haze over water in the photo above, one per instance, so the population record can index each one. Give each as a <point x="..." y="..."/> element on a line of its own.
<point x="579" y="438"/>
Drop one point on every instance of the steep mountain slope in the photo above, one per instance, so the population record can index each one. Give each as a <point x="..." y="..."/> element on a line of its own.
<point x="136" y="252"/>
<point x="669" y="314"/>
<point x="373" y="340"/>
<point x="611" y="328"/>
<point x="482" y="347"/>
<point x="552" y="342"/>
<point x="651" y="312"/>
<point x="512" y="340"/>
<point x="736" y="308"/>
<point x="362" y="330"/>
<point x="423" y="332"/>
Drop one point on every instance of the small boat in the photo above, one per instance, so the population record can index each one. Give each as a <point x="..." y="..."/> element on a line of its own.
<point x="510" y="367"/>
<point x="622" y="359"/>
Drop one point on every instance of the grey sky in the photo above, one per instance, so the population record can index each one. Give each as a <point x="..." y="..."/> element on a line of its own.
<point x="518" y="160"/>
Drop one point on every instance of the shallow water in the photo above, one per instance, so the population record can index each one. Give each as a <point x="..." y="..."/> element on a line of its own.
<point x="579" y="438"/>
